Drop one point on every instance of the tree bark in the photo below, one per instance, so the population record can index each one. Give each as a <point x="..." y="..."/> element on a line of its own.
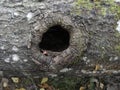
<point x="93" y="39"/>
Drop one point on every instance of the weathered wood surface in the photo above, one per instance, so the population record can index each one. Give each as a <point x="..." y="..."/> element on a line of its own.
<point x="93" y="39"/>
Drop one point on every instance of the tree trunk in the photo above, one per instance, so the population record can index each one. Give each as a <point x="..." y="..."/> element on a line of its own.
<point x="48" y="37"/>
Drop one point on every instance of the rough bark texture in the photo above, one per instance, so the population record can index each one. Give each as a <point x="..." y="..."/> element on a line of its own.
<point x="93" y="39"/>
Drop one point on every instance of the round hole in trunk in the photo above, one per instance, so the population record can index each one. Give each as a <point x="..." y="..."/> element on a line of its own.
<point x="56" y="39"/>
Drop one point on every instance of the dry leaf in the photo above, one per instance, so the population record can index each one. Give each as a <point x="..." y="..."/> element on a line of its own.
<point x="101" y="85"/>
<point x="42" y="89"/>
<point x="46" y="86"/>
<point x="21" y="89"/>
<point x="82" y="88"/>
<point x="44" y="80"/>
<point x="15" y="79"/>
<point x="5" y="84"/>
<point x="97" y="67"/>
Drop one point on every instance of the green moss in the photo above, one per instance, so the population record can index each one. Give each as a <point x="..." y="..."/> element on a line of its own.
<point x="110" y="8"/>
<point x="65" y="83"/>
<point x="103" y="11"/>
<point x="117" y="48"/>
<point x="69" y="82"/>
<point x="117" y="34"/>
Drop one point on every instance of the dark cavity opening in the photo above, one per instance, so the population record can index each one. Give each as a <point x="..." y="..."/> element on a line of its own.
<point x="56" y="38"/>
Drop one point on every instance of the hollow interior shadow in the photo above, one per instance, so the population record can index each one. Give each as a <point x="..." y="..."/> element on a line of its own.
<point x="56" y="38"/>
